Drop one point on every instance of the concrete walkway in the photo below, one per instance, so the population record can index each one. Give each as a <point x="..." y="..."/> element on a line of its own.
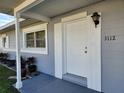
<point x="47" y="84"/>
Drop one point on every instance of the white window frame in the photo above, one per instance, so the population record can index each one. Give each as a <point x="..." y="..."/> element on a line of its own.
<point x="31" y="29"/>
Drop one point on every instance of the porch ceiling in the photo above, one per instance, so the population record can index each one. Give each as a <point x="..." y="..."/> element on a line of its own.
<point x="51" y="8"/>
<point x="7" y="6"/>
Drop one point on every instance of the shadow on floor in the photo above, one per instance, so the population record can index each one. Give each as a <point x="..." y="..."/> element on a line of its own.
<point x="47" y="84"/>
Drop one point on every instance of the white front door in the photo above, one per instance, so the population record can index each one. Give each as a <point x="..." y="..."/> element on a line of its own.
<point x="77" y="47"/>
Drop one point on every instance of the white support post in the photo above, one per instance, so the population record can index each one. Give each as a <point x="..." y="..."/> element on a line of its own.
<point x="18" y="61"/>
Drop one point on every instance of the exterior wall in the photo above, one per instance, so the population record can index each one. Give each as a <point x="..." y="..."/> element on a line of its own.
<point x="112" y="51"/>
<point x="11" y="35"/>
<point x="45" y="62"/>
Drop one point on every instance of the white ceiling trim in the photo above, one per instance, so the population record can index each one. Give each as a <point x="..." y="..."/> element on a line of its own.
<point x="26" y="5"/>
<point x="36" y="16"/>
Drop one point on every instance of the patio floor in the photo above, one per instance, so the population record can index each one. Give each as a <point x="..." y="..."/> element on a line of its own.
<point x="47" y="84"/>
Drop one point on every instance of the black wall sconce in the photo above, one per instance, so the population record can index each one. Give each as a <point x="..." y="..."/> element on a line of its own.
<point x="95" y="18"/>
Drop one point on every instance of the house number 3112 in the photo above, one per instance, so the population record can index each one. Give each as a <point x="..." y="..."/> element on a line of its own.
<point x="110" y="38"/>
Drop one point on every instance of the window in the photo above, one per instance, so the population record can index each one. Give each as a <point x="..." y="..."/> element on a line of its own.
<point x="5" y="41"/>
<point x="35" y="39"/>
<point x="40" y="38"/>
<point x="30" y="39"/>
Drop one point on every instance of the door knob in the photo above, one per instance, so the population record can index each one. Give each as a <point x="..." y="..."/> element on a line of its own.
<point x="85" y="52"/>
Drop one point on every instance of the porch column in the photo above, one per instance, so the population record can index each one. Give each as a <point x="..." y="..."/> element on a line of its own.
<point x="18" y="61"/>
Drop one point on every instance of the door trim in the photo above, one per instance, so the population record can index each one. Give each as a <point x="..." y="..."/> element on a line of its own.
<point x="94" y="78"/>
<point x="73" y="17"/>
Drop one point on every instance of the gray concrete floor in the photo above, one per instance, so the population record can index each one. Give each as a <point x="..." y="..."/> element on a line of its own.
<point x="47" y="84"/>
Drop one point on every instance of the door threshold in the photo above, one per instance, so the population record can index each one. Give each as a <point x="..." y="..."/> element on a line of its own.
<point x="82" y="81"/>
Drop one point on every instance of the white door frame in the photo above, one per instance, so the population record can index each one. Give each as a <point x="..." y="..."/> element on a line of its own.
<point x="94" y="76"/>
